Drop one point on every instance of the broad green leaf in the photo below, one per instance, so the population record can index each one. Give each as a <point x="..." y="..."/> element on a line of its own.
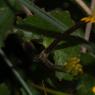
<point x="63" y="16"/>
<point x="63" y="55"/>
<point x="38" y="22"/>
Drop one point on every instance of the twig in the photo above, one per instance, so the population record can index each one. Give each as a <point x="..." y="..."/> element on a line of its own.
<point x="84" y="6"/>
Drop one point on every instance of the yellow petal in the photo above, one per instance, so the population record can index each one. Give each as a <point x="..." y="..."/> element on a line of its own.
<point x="83" y="19"/>
<point x="92" y="20"/>
<point x="88" y="19"/>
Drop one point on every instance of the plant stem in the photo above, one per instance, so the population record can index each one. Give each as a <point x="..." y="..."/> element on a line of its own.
<point x="60" y="37"/>
<point x="88" y="28"/>
<point x="51" y="91"/>
<point x="84" y="6"/>
<point x="16" y="73"/>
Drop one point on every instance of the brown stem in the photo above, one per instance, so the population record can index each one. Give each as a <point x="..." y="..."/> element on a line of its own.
<point x="60" y="37"/>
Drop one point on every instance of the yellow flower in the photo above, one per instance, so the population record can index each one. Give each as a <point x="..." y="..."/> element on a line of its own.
<point x="88" y="19"/>
<point x="73" y="66"/>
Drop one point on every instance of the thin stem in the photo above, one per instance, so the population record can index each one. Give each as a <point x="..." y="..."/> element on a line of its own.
<point x="86" y="36"/>
<point x="60" y="37"/>
<point x="16" y="73"/>
<point x="84" y="6"/>
<point x="88" y="27"/>
<point x="51" y="91"/>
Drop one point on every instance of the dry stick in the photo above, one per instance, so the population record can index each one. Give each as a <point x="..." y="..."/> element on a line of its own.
<point x="88" y="28"/>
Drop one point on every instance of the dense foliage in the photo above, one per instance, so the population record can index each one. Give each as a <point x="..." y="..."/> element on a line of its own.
<point x="43" y="50"/>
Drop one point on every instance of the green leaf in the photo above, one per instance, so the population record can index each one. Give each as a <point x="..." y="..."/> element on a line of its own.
<point x="65" y="76"/>
<point x="63" y="16"/>
<point x="87" y="59"/>
<point x="38" y="22"/>
<point x="62" y="56"/>
<point x="6" y="22"/>
<point x="13" y="5"/>
<point x="47" y="41"/>
<point x="42" y="14"/>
